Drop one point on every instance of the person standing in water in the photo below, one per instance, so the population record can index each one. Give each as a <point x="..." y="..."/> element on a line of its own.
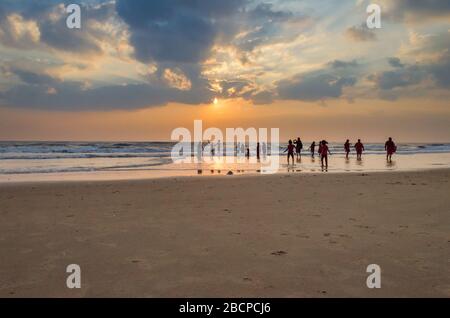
<point x="298" y="148"/>
<point x="319" y="151"/>
<point x="359" y="149"/>
<point x="257" y="151"/>
<point x="313" y="148"/>
<point x="390" y="148"/>
<point x="290" y="149"/>
<point x="324" y="152"/>
<point x="347" y="148"/>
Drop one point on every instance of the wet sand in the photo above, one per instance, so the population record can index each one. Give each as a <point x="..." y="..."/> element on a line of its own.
<point x="220" y="166"/>
<point x="286" y="235"/>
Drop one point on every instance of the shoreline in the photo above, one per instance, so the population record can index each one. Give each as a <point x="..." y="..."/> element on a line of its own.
<point x="290" y="236"/>
<point x="308" y="165"/>
<point x="217" y="177"/>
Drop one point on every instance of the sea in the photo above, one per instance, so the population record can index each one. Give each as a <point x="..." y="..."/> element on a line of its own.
<point x="21" y="158"/>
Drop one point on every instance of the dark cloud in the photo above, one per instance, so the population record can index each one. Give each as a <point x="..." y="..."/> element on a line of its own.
<point x="407" y="75"/>
<point x="343" y="64"/>
<point x="262" y="98"/>
<point x="419" y="10"/>
<point x="72" y="96"/>
<point x="32" y="78"/>
<point x="263" y="25"/>
<point x="360" y="33"/>
<point x="41" y="91"/>
<point x="266" y="11"/>
<point x="395" y="62"/>
<point x="440" y="71"/>
<point x="321" y="84"/>
<point x="400" y="78"/>
<point x="175" y="30"/>
<point x="50" y="19"/>
<point x="313" y="87"/>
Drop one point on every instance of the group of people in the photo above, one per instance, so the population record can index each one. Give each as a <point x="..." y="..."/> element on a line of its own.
<point x="323" y="150"/>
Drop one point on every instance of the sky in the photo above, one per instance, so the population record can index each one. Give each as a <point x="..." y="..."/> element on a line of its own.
<point x="137" y="69"/>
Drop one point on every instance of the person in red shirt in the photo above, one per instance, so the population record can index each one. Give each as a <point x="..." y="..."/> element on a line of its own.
<point x="290" y="149"/>
<point x="390" y="148"/>
<point x="319" y="150"/>
<point x="347" y="148"/>
<point x="359" y="149"/>
<point x="324" y="153"/>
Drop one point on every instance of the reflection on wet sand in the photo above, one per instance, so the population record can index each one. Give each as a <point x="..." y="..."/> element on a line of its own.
<point x="391" y="164"/>
<point x="337" y="164"/>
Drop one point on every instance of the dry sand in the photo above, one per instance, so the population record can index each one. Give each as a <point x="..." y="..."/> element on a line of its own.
<point x="232" y="236"/>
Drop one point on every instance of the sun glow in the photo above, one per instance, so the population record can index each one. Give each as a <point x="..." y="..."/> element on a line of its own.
<point x="215" y="101"/>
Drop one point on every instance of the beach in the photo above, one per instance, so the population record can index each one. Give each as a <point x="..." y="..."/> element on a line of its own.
<point x="282" y="235"/>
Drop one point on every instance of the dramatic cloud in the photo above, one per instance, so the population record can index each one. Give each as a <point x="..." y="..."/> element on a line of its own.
<point x="29" y="24"/>
<point x="44" y="92"/>
<point x="142" y="53"/>
<point x="175" y="30"/>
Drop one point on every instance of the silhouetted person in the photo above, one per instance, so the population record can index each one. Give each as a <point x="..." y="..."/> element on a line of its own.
<point x="347" y="148"/>
<point x="319" y="151"/>
<point x="248" y="153"/>
<point x="257" y="150"/>
<point x="390" y="148"/>
<point x="298" y="148"/>
<point x="313" y="148"/>
<point x="324" y="153"/>
<point x="290" y="149"/>
<point x="359" y="149"/>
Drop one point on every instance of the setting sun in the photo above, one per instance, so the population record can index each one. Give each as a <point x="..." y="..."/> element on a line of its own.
<point x="215" y="101"/>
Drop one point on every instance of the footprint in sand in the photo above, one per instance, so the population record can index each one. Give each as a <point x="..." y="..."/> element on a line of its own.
<point x="279" y="253"/>
<point x="363" y="226"/>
